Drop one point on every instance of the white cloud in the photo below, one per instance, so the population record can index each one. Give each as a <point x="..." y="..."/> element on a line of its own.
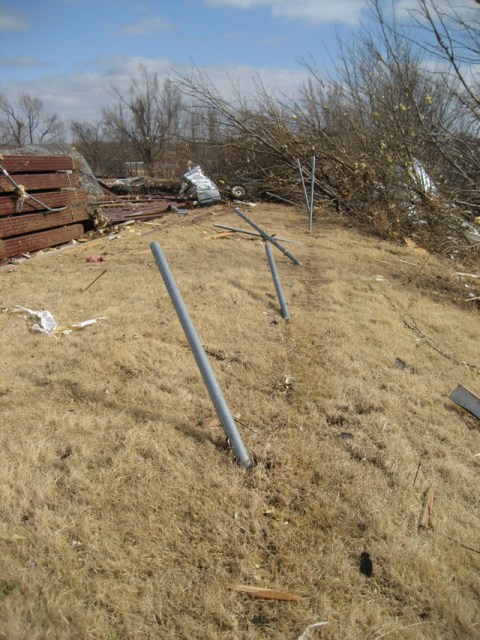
<point x="313" y="11"/>
<point x="26" y="61"/>
<point x="10" y="22"/>
<point x="82" y="95"/>
<point x="147" y="25"/>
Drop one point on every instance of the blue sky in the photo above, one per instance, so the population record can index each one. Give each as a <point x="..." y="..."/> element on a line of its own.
<point x="68" y="52"/>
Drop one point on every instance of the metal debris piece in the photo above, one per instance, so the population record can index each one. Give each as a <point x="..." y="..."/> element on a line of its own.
<point x="198" y="185"/>
<point x="466" y="399"/>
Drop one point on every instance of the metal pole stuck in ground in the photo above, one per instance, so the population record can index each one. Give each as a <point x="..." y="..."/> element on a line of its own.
<point x="276" y="282"/>
<point x="312" y="193"/>
<point x="203" y="363"/>
<point x="303" y="185"/>
<point x="265" y="236"/>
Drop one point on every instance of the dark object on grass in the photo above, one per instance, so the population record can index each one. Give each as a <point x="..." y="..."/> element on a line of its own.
<point x="366" y="564"/>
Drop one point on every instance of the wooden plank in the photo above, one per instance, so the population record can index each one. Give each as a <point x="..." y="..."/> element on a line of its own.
<point x="36" y="241"/>
<point x="31" y="164"/>
<point x="52" y="199"/>
<point x="22" y="225"/>
<point x="39" y="181"/>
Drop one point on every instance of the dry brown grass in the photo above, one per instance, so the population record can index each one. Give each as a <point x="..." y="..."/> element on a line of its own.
<point x="123" y="514"/>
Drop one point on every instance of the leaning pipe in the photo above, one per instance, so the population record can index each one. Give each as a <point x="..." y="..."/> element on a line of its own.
<point x="272" y="195"/>
<point x="251" y="233"/>
<point x="203" y="363"/>
<point x="277" y="283"/>
<point x="307" y="204"/>
<point x="265" y="236"/>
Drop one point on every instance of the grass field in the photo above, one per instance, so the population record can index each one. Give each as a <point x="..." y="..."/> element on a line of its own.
<point x="123" y="514"/>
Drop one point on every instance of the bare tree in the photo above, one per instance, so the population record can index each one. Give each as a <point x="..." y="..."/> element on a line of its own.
<point x="25" y="121"/>
<point x="88" y="138"/>
<point x="146" y="117"/>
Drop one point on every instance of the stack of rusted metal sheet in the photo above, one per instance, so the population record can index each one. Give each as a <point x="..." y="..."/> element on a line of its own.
<point x="124" y="208"/>
<point x="41" y="203"/>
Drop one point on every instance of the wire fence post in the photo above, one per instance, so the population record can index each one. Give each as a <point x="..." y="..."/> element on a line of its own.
<point x="203" y="363"/>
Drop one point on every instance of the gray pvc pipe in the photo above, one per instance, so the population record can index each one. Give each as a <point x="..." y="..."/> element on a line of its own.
<point x="312" y="193"/>
<point x="272" y="195"/>
<point x="277" y="283"/>
<point x="251" y="233"/>
<point x="203" y="363"/>
<point x="307" y="204"/>
<point x="265" y="236"/>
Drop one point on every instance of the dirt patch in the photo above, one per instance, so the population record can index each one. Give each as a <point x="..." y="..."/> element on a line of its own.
<point x="123" y="513"/>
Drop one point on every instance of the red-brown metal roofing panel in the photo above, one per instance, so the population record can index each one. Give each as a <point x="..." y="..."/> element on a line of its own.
<point x="52" y="199"/>
<point x="36" y="241"/>
<point x="19" y="225"/>
<point x="38" y="181"/>
<point x="31" y="164"/>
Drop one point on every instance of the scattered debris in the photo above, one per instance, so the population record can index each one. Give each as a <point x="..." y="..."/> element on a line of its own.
<point x="413" y="245"/>
<point x="267" y="594"/>
<point x="427" y="509"/>
<point x="466" y="399"/>
<point x="366" y="564"/>
<point x="418" y="469"/>
<point x="197" y="185"/>
<point x="311" y="627"/>
<point x="289" y="381"/>
<point x="401" y="364"/>
<point x="48" y="324"/>
<point x="94" y="281"/>
<point x="345" y="435"/>
<point x="471" y="233"/>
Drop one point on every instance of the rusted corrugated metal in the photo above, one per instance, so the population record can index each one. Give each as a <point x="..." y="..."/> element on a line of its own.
<point x="52" y="199"/>
<point x="41" y="203"/>
<point x="32" y="164"/>
<point x="39" y="181"/>
<point x="132" y="211"/>
<point x="35" y="241"/>
<point x="20" y="225"/>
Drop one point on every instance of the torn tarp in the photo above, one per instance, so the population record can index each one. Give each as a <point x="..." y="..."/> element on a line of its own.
<point x="199" y="186"/>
